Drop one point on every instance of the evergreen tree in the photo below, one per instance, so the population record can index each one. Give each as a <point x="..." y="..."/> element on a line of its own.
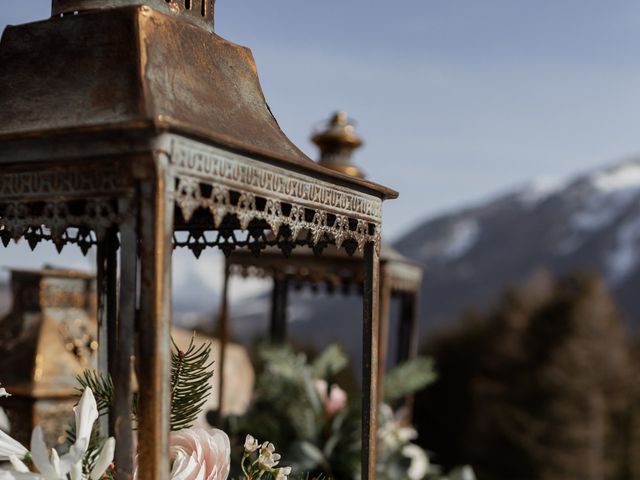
<point x="535" y="389"/>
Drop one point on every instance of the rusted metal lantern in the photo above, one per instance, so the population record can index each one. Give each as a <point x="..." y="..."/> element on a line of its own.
<point x="400" y="278"/>
<point x="131" y="126"/>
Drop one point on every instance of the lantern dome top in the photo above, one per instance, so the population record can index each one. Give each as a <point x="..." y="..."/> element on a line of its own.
<point x="106" y="73"/>
<point x="337" y="141"/>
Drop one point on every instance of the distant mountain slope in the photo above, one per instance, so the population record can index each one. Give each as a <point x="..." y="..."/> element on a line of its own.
<point x="591" y="223"/>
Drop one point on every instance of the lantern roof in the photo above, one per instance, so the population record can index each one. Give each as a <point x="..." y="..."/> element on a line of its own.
<point x="115" y="72"/>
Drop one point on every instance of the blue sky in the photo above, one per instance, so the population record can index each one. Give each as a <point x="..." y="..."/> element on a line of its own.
<point x="456" y="99"/>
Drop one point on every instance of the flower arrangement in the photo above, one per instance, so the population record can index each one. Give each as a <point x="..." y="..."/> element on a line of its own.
<point x="310" y="417"/>
<point x="195" y="453"/>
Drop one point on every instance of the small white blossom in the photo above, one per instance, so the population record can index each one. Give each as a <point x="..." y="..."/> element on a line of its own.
<point x="283" y="473"/>
<point x="251" y="444"/>
<point x="269" y="461"/>
<point x="267" y="447"/>
<point x="4" y="393"/>
<point x="268" y="458"/>
<point x="419" y="466"/>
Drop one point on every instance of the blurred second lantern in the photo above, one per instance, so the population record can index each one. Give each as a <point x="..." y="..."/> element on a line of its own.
<point x="333" y="268"/>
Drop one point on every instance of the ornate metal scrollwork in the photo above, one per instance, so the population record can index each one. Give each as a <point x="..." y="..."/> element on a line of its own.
<point x="314" y="212"/>
<point x="82" y="223"/>
<point x="214" y="191"/>
<point x="64" y="206"/>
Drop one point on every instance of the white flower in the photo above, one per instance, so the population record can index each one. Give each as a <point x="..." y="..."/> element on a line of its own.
<point x="3" y="393"/>
<point x="5" y="425"/>
<point x="9" y="447"/>
<point x="392" y="432"/>
<point x="200" y="455"/>
<point x="419" y="466"/>
<point x="267" y="447"/>
<point x="104" y="459"/>
<point x="14" y="475"/>
<point x="251" y="444"/>
<point x="268" y="458"/>
<point x="283" y="473"/>
<point x="50" y="466"/>
<point x="406" y="434"/>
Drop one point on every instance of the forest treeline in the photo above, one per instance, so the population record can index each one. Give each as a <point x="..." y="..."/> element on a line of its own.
<point x="543" y="386"/>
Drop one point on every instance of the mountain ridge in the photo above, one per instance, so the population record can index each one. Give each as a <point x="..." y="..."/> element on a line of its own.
<point x="590" y="222"/>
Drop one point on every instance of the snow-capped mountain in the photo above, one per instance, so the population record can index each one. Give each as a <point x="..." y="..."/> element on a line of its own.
<point x="590" y="224"/>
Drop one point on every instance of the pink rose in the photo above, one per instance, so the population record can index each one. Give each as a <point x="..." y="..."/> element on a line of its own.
<point x="198" y="454"/>
<point x="334" y="400"/>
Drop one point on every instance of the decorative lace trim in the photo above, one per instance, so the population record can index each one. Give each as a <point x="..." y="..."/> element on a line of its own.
<point x="314" y="212"/>
<point x="218" y="195"/>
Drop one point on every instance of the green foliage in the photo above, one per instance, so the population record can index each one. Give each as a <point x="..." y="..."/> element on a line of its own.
<point x="293" y="409"/>
<point x="289" y="411"/>
<point x="408" y="378"/>
<point x="100" y="385"/>
<point x="330" y="362"/>
<point x="191" y="371"/>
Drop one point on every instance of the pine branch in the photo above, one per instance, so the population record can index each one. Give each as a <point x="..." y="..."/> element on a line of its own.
<point x="191" y="371"/>
<point x="408" y="378"/>
<point x="102" y="387"/>
<point x="330" y="362"/>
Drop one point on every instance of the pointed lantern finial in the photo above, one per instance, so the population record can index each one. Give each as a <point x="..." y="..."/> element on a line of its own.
<point x="337" y="142"/>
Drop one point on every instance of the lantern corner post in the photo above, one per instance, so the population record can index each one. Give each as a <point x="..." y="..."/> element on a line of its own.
<point x="154" y="319"/>
<point x="384" y="321"/>
<point x="279" y="302"/>
<point x="409" y="319"/>
<point x="107" y="308"/>
<point x="408" y="338"/>
<point x="370" y="364"/>
<point x="223" y="333"/>
<point x="121" y="334"/>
